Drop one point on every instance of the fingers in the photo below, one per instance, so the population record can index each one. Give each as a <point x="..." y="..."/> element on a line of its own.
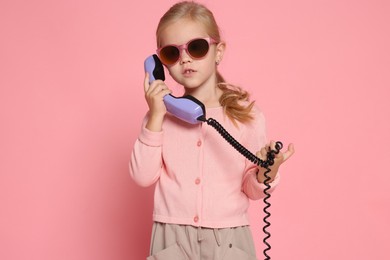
<point x="146" y="82"/>
<point x="272" y="145"/>
<point x="262" y="154"/>
<point x="281" y="156"/>
<point x="156" y="88"/>
<point x="290" y="151"/>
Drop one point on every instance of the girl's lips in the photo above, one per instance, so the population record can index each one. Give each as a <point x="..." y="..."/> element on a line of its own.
<point x="188" y="72"/>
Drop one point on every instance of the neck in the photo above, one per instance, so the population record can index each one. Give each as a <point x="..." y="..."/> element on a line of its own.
<point x="209" y="97"/>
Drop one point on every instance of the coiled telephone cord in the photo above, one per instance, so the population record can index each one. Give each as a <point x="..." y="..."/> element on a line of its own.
<point x="259" y="162"/>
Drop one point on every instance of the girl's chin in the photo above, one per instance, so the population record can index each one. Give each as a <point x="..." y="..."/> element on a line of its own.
<point x="189" y="84"/>
<point x="190" y="88"/>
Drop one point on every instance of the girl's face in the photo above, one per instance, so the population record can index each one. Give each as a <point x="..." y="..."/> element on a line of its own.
<point x="196" y="75"/>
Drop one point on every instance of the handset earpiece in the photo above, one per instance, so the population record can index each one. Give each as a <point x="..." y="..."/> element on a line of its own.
<point x="187" y="108"/>
<point x="154" y="68"/>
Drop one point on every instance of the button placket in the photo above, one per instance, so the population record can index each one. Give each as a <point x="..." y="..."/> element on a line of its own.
<point x="197" y="181"/>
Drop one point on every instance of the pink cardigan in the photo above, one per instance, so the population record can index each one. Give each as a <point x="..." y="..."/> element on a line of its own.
<point x="201" y="180"/>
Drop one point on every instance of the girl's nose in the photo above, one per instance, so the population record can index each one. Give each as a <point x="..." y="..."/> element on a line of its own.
<point x="184" y="57"/>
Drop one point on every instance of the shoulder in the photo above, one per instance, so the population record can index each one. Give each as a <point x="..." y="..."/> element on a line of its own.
<point x="258" y="122"/>
<point x="256" y="112"/>
<point x="245" y="103"/>
<point x="254" y="131"/>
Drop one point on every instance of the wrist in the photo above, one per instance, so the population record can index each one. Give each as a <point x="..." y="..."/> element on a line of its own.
<point x="261" y="178"/>
<point x="155" y="122"/>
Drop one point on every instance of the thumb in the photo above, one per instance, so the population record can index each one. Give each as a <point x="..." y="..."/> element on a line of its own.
<point x="290" y="151"/>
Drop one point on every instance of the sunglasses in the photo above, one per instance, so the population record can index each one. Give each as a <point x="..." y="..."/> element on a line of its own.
<point x="196" y="49"/>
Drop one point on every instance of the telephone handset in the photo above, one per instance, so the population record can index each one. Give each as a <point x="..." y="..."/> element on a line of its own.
<point x="186" y="108"/>
<point x="191" y="110"/>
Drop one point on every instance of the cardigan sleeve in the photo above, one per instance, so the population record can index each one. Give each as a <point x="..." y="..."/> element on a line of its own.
<point x="255" y="190"/>
<point x="146" y="158"/>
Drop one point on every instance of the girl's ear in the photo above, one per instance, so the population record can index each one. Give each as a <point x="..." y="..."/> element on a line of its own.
<point x="220" y="50"/>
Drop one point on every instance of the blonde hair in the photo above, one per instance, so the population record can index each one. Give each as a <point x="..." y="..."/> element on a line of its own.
<point x="233" y="96"/>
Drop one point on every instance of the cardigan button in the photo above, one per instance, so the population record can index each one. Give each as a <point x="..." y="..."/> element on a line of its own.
<point x="197" y="181"/>
<point x="199" y="143"/>
<point x="196" y="219"/>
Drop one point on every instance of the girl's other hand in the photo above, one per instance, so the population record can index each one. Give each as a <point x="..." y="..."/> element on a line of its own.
<point x="280" y="158"/>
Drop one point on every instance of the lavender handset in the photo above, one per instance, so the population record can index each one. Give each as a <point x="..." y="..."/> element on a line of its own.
<point x="186" y="108"/>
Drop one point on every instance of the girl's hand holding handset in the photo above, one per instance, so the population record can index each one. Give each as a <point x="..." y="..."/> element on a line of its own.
<point x="154" y="95"/>
<point x="280" y="158"/>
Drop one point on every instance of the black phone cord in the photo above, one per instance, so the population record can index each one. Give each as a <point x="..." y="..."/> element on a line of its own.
<point x="259" y="162"/>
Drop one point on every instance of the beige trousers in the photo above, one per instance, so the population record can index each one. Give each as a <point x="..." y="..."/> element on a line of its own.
<point x="182" y="242"/>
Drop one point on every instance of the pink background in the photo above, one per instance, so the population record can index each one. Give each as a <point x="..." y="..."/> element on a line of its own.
<point x="71" y="101"/>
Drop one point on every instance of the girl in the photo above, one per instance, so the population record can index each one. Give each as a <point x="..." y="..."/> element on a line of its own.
<point x="203" y="185"/>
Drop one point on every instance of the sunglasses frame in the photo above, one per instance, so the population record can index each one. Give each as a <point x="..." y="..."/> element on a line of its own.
<point x="185" y="47"/>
